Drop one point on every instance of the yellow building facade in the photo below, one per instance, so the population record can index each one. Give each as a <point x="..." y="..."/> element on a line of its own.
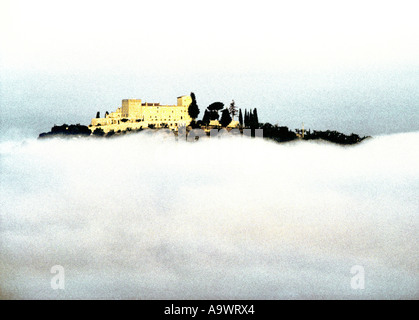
<point x="134" y="114"/>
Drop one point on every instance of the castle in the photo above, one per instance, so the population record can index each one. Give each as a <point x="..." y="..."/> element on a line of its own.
<point x="134" y="115"/>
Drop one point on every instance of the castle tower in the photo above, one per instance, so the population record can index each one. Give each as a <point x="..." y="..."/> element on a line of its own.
<point x="184" y="101"/>
<point x="131" y="108"/>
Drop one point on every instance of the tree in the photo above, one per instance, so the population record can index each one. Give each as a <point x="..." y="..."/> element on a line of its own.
<point x="255" y="118"/>
<point x="99" y="132"/>
<point x="206" y="118"/>
<point x="98" y="114"/>
<point x="253" y="121"/>
<point x="232" y="109"/>
<point x="246" y="118"/>
<point x="214" y="108"/>
<point x="214" y="115"/>
<point x="193" y="109"/>
<point x="240" y="117"/>
<point x="250" y="119"/>
<point x="225" y="118"/>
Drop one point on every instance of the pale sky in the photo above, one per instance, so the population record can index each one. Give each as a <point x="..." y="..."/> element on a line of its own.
<point x="352" y="65"/>
<point x="207" y="35"/>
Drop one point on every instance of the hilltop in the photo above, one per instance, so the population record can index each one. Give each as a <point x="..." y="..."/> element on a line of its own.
<point x="135" y="115"/>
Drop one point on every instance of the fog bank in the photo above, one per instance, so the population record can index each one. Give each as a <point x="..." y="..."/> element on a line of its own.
<point x="145" y="217"/>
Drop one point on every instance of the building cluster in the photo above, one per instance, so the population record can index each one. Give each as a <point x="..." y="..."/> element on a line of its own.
<point x="135" y="114"/>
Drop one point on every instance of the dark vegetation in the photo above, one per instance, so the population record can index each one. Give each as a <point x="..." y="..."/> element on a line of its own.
<point x="67" y="130"/>
<point x="277" y="133"/>
<point x="333" y="136"/>
<point x="283" y="134"/>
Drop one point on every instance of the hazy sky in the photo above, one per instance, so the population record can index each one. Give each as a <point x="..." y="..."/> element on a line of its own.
<point x="347" y="64"/>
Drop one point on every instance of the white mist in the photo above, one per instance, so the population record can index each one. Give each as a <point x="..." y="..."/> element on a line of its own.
<point x="146" y="217"/>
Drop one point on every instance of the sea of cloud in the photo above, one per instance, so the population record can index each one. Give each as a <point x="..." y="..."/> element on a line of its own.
<point x="144" y="216"/>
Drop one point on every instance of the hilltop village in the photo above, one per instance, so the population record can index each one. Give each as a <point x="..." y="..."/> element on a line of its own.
<point x="134" y="115"/>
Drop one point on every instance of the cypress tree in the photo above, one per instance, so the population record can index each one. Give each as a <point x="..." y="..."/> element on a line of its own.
<point x="193" y="109"/>
<point x="225" y="118"/>
<point x="240" y="117"/>
<point x="250" y="118"/>
<point x="255" y="118"/>
<point x="206" y="118"/>
<point x="246" y="118"/>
